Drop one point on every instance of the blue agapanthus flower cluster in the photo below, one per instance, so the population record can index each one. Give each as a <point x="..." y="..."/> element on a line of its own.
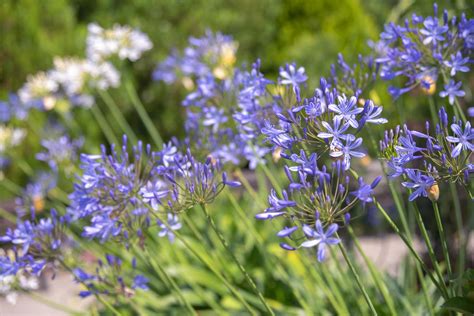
<point x="33" y="199"/>
<point x="317" y="196"/>
<point x="317" y="129"/>
<point x="36" y="243"/>
<point x="214" y="53"/>
<point x="425" y="159"/>
<point x="353" y="79"/>
<point x="424" y="49"/>
<point x="111" y="279"/>
<point x="123" y="194"/>
<point x="326" y="123"/>
<point x="60" y="152"/>
<point x="227" y="106"/>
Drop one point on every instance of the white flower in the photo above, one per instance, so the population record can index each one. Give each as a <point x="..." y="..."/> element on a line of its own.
<point x="10" y="137"/>
<point x="70" y="73"/>
<point x="37" y="87"/>
<point x="102" y="75"/>
<point x="123" y="41"/>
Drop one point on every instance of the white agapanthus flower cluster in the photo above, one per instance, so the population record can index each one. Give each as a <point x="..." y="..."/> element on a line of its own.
<point x="120" y="40"/>
<point x="10" y="137"/>
<point x="38" y="87"/>
<point x="74" y="79"/>
<point x="10" y="284"/>
<point x="71" y="78"/>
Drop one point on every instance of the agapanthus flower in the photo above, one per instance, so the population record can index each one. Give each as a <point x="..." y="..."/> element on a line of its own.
<point x="464" y="139"/>
<point x="424" y="49"/>
<point x="346" y="110"/>
<point x="59" y="151"/>
<point x="293" y="76"/>
<point x="315" y="196"/>
<point x="173" y="223"/>
<point x="227" y="106"/>
<point x="353" y="79"/>
<point x="452" y="90"/>
<point x="111" y="279"/>
<point x="430" y="157"/>
<point x="35" y="244"/>
<point x="320" y="238"/>
<point x="419" y="183"/>
<point x="348" y="150"/>
<point x="120" y="40"/>
<point x="125" y="193"/>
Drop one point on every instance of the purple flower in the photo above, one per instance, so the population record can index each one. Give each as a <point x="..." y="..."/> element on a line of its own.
<point x="153" y="192"/>
<point x="365" y="191"/>
<point x="464" y="139"/>
<point x="336" y="132"/>
<point x="347" y="151"/>
<point x="320" y="238"/>
<point x="103" y="227"/>
<point x="371" y="114"/>
<point x="457" y="63"/>
<point x="452" y="90"/>
<point x="140" y="282"/>
<point x="24" y="234"/>
<point x="347" y="110"/>
<point x="292" y="76"/>
<point x="287" y="231"/>
<point x="172" y="225"/>
<point x="420" y="183"/>
<point x="276" y="206"/>
<point x="433" y="31"/>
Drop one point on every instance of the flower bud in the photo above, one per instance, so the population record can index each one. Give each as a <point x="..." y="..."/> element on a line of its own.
<point x="428" y="85"/>
<point x="433" y="192"/>
<point x="277" y="154"/>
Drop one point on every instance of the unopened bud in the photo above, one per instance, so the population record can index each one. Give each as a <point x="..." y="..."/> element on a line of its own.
<point x="433" y="192"/>
<point x="38" y="203"/>
<point x="428" y="85"/>
<point x="277" y="154"/>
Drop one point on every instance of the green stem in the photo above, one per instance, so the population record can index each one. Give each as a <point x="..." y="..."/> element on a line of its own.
<point x="157" y="266"/>
<point x="460" y="228"/>
<point x="275" y="263"/>
<point x="374" y="273"/>
<point x="409" y="245"/>
<point x="209" y="265"/>
<point x="138" y="105"/>
<point x="7" y="215"/>
<point x="442" y="237"/>
<point x="104" y="302"/>
<point x="11" y="186"/>
<point x="104" y="125"/>
<point x="432" y="110"/>
<point x="117" y="114"/>
<point x="431" y="253"/>
<point x="357" y="279"/>
<point x="108" y="305"/>
<point x="234" y="258"/>
<point x="406" y="227"/>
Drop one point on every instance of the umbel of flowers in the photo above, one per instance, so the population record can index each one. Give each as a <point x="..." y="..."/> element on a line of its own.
<point x="317" y="129"/>
<point x="227" y="106"/>
<point x="424" y="49"/>
<point x="440" y="154"/>
<point x="122" y="194"/>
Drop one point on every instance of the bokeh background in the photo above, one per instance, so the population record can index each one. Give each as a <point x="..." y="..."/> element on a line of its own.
<point x="310" y="33"/>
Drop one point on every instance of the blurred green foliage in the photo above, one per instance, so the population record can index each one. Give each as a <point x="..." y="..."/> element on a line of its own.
<point x="310" y="33"/>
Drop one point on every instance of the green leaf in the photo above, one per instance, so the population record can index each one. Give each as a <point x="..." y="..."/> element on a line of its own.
<point x="460" y="304"/>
